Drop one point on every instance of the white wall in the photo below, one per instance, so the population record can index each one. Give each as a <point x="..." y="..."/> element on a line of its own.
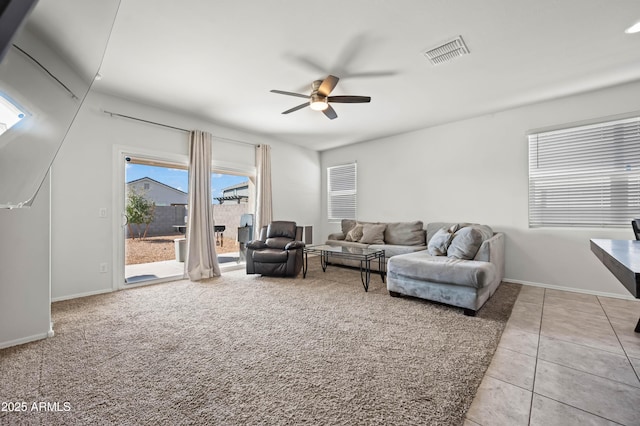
<point x="24" y="271"/>
<point x="83" y="176"/>
<point x="476" y="170"/>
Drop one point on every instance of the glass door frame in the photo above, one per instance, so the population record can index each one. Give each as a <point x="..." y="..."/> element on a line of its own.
<point x="238" y="170"/>
<point x="120" y="153"/>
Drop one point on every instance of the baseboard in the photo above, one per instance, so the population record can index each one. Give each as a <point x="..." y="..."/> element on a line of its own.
<point x="570" y="289"/>
<point x="23" y="340"/>
<point x="74" y="296"/>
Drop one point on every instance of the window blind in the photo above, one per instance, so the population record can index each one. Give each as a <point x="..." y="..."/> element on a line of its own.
<point x="585" y="176"/>
<point x="341" y="191"/>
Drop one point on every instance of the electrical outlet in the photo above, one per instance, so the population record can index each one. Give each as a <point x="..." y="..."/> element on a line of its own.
<point x="103" y="268"/>
<point x="102" y="212"/>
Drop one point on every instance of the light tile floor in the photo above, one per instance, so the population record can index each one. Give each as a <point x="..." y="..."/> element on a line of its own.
<point x="564" y="359"/>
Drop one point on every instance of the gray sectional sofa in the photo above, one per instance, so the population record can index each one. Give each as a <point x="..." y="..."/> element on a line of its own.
<point x="463" y="268"/>
<point x="460" y="264"/>
<point x="393" y="237"/>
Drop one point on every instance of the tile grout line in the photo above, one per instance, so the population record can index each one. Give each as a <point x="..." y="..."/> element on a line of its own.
<point x="590" y="374"/>
<point x="535" y="368"/>
<point x="579" y="409"/>
<point x="618" y="338"/>
<point x="495" y="378"/>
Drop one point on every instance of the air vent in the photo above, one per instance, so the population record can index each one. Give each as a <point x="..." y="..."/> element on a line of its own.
<point x="447" y="52"/>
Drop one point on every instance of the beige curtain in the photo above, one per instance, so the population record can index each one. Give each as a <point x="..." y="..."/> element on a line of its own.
<point x="202" y="259"/>
<point x="264" y="211"/>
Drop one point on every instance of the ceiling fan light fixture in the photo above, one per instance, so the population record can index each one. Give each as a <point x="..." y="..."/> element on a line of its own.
<point x="318" y="102"/>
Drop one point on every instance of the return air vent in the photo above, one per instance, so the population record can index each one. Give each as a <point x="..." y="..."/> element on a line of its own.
<point x="447" y="52"/>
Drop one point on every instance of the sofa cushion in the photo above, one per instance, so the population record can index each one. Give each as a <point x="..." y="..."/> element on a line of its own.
<point x="278" y="242"/>
<point x="270" y="256"/>
<point x="391" y="250"/>
<point x="467" y="240"/>
<point x="336" y="236"/>
<point x="439" y="243"/>
<point x="355" y="234"/>
<point x="282" y="229"/>
<point x="442" y="269"/>
<point x="405" y="233"/>
<point x="373" y="233"/>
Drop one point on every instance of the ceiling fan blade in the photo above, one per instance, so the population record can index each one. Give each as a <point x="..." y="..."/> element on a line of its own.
<point x="349" y="99"/>
<point x="295" y="108"/>
<point x="328" y="84"/>
<point x="367" y="74"/>
<point x="282" y="92"/>
<point x="330" y="112"/>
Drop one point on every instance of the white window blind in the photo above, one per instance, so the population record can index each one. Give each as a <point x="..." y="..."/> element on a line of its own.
<point x="341" y="188"/>
<point x="585" y="176"/>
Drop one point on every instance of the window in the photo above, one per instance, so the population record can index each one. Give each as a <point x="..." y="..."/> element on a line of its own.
<point x="585" y="176"/>
<point x="341" y="192"/>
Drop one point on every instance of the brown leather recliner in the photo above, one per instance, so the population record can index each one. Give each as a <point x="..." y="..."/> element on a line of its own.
<point x="278" y="252"/>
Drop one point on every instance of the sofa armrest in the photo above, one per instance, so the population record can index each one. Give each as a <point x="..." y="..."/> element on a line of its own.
<point x="492" y="250"/>
<point x="336" y="236"/>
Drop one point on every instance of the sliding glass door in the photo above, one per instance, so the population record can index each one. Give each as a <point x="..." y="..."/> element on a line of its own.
<point x="233" y="201"/>
<point x="156" y="197"/>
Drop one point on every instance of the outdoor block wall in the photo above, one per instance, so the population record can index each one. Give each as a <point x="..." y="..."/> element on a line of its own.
<point x="165" y="218"/>
<point x="229" y="216"/>
<point x="168" y="216"/>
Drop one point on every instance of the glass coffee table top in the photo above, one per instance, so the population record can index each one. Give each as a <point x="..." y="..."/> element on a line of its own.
<point x="344" y="251"/>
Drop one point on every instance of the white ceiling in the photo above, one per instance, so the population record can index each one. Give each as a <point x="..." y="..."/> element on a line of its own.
<point x="219" y="59"/>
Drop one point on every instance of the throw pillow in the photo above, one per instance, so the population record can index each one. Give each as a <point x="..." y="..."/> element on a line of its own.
<point x="439" y="243"/>
<point x="347" y="225"/>
<point x="465" y="243"/>
<point x="355" y="234"/>
<point x="373" y="233"/>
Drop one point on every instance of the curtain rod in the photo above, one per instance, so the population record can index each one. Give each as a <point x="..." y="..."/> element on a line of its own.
<point x="172" y="127"/>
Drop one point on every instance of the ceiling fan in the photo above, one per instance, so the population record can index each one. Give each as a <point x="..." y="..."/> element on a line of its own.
<point x="319" y="98"/>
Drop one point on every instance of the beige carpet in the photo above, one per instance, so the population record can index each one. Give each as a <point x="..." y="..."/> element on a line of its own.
<point x="256" y="350"/>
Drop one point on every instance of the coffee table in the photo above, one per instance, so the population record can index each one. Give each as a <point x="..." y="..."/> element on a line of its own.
<point x="364" y="255"/>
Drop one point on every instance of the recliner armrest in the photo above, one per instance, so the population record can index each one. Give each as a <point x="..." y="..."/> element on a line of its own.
<point x="293" y="245"/>
<point x="256" y="245"/>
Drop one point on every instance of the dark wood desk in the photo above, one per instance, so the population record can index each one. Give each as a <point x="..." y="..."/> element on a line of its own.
<point x="622" y="258"/>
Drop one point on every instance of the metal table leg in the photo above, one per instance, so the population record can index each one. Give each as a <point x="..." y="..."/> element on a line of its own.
<point x="366" y="278"/>
<point x="305" y="265"/>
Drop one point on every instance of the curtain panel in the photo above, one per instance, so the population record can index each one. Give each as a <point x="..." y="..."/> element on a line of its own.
<point x="202" y="259"/>
<point x="264" y="210"/>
